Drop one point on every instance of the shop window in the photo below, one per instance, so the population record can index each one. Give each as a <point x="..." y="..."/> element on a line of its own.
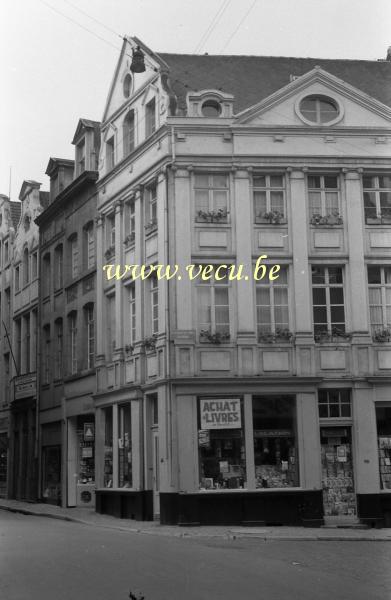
<point x="334" y="404"/>
<point x="85" y="453"/>
<point x="108" y="453"/>
<point x="379" y="287"/>
<point x="383" y="422"/>
<point x="124" y="446"/>
<point x="328" y="301"/>
<point x="323" y="197"/>
<point x="150" y="118"/>
<point x="272" y="304"/>
<point x="275" y="442"/>
<point x="221" y="444"/>
<point x="377" y="198"/>
<point x="211" y="197"/>
<point x="269" y="198"/>
<point x="213" y="308"/>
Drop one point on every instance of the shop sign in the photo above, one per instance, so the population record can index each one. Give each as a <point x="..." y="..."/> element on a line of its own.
<point x="272" y="433"/>
<point x="220" y="414"/>
<point x="331" y="432"/>
<point x="89" y="432"/>
<point x="25" y="386"/>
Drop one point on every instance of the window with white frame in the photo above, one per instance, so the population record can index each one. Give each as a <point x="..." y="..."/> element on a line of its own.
<point x="269" y="198"/>
<point x="151" y="205"/>
<point x="74" y="256"/>
<point x="154" y="296"/>
<point x="328" y="300"/>
<point x="213" y="307"/>
<point x="89" y="237"/>
<point x="334" y="404"/>
<point x="26" y="265"/>
<point x="59" y="341"/>
<point x="72" y="332"/>
<point x="323" y="196"/>
<point x="110" y="325"/>
<point x="319" y="110"/>
<point x="58" y="269"/>
<point x="272" y="304"/>
<point x="46" y="354"/>
<point x="128" y="133"/>
<point x="80" y="157"/>
<point x="90" y="325"/>
<point x="17" y="278"/>
<point x="110" y="232"/>
<point x="377" y="197"/>
<point x="130" y="222"/>
<point x="211" y="197"/>
<point x="379" y="289"/>
<point x="132" y="313"/>
<point x="150" y="117"/>
<point x="110" y="153"/>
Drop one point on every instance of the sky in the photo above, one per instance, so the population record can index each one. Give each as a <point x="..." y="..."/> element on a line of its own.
<point x="58" y="56"/>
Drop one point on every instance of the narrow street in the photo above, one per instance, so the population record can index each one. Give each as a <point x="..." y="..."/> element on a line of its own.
<point x="47" y="559"/>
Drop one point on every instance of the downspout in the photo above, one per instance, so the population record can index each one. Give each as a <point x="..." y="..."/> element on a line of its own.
<point x="38" y="379"/>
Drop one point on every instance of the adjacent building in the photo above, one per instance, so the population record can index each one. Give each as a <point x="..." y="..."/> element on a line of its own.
<point x="23" y="449"/>
<point x="67" y="324"/>
<point x="9" y="219"/>
<point x="264" y="400"/>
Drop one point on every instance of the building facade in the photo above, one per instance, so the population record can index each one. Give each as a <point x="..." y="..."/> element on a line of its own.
<point x="9" y="219"/>
<point x="23" y="474"/>
<point x="67" y="324"/>
<point x="265" y="399"/>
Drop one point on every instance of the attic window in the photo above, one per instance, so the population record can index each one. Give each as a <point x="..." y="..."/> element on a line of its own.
<point x="127" y="85"/>
<point x="211" y="108"/>
<point x="319" y="110"/>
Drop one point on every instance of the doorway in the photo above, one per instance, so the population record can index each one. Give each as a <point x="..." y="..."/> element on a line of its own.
<point x="339" y="497"/>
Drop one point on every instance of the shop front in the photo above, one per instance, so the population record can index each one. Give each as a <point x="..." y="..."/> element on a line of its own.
<point x="81" y="460"/>
<point x="119" y="448"/>
<point x="256" y="461"/>
<point x="51" y="444"/>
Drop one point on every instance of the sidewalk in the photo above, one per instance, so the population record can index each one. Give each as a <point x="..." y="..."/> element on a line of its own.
<point x="88" y="516"/>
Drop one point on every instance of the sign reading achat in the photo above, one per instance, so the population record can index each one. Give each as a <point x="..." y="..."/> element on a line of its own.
<point x="220" y="414"/>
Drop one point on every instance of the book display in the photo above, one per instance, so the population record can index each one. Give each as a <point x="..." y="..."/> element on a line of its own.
<point x="385" y="462"/>
<point x="279" y="465"/>
<point x="222" y="460"/>
<point x="339" y="498"/>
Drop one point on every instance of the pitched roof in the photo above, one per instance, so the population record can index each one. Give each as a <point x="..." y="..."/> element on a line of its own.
<point x="87" y="124"/>
<point x="15" y="210"/>
<point x="253" y="78"/>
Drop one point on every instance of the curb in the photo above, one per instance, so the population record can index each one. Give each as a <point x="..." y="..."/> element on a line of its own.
<point x="227" y="535"/>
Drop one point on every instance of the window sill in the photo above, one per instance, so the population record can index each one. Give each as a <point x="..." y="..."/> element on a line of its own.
<point x="252" y="490"/>
<point x="283" y="222"/>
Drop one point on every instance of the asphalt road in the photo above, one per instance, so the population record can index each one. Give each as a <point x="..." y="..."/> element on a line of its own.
<point x="46" y="559"/>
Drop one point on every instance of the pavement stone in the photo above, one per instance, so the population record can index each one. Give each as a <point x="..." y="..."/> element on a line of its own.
<point x="88" y="516"/>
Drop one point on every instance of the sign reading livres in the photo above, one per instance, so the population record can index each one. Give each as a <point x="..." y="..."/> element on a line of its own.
<point x="220" y="414"/>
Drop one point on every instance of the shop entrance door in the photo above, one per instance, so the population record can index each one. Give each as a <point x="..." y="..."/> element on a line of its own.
<point x="155" y="474"/>
<point x="339" y="498"/>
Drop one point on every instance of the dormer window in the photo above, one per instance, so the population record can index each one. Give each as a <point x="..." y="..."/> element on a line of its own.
<point x="319" y="110"/>
<point x="211" y="108"/>
<point x="127" y="85"/>
<point x="80" y="157"/>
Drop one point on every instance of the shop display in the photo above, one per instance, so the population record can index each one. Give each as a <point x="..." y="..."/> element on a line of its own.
<point x="222" y="459"/>
<point x="339" y="498"/>
<point x="385" y="462"/>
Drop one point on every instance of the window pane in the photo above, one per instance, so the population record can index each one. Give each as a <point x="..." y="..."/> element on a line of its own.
<point x="313" y="182"/>
<point x="219" y="200"/>
<point x="387" y="274"/>
<point x="318" y="275"/>
<point x="337" y="314"/>
<point x="260" y="203"/>
<point x="332" y="203"/>
<point x="330" y="182"/>
<point x="385" y="181"/>
<point x="202" y="200"/>
<point x="315" y="203"/>
<point x="336" y="295"/>
<point x="385" y="203"/>
<point x="276" y="181"/>
<point x="275" y="447"/>
<point x="263" y="296"/>
<point x="219" y="181"/>
<point x="369" y="182"/>
<point x="319" y="295"/>
<point x="221" y="448"/>
<point x="374" y="275"/>
<point x="204" y="308"/>
<point x="201" y="180"/>
<point x="335" y="275"/>
<point x="277" y="201"/>
<point x="320" y="315"/>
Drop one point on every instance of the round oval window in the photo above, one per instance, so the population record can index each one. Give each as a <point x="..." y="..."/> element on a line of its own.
<point x="319" y="109"/>
<point x="211" y="108"/>
<point x="127" y="85"/>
